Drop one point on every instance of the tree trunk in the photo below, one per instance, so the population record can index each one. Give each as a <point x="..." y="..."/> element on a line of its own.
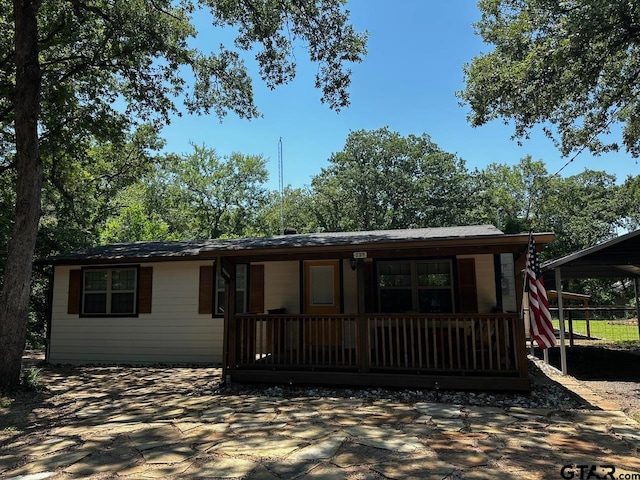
<point x="14" y="301"/>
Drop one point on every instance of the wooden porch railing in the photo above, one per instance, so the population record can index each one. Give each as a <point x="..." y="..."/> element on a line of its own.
<point x="421" y="344"/>
<point x="296" y="341"/>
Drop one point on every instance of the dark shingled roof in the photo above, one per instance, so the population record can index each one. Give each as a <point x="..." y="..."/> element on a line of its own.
<point x="142" y="250"/>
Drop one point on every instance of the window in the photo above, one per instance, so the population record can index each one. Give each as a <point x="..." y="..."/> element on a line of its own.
<point x="322" y="285"/>
<point x="415" y="286"/>
<point x="241" y="291"/>
<point x="109" y="291"/>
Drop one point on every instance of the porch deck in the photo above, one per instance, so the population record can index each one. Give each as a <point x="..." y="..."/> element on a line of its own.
<point x="475" y="351"/>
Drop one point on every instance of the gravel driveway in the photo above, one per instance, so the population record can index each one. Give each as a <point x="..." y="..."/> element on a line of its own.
<point x="610" y="370"/>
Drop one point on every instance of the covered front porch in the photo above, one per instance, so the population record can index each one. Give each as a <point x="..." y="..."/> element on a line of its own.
<point x="394" y="309"/>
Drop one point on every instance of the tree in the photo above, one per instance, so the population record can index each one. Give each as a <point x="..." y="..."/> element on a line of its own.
<point x="382" y="180"/>
<point x="88" y="59"/>
<point x="629" y="196"/>
<point x="510" y="196"/>
<point x="582" y="210"/>
<point x="207" y="196"/>
<point x="572" y="67"/>
<point x="16" y="287"/>
<point x="134" y="224"/>
<point x="297" y="208"/>
<point x="84" y="189"/>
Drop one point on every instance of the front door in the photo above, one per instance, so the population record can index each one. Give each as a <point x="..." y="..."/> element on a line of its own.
<point x="322" y="287"/>
<point x="322" y="297"/>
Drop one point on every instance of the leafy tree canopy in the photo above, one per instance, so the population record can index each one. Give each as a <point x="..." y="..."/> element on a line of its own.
<point x="192" y="196"/>
<point x="509" y="195"/>
<point x="382" y="180"/>
<point x="572" y="66"/>
<point x="107" y="63"/>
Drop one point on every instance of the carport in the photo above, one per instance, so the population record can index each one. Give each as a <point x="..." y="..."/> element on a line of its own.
<point x="617" y="258"/>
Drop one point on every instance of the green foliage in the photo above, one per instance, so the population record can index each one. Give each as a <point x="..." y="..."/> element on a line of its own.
<point x="512" y="192"/>
<point x="138" y="52"/>
<point x="132" y="224"/>
<point x="297" y="206"/>
<point x="113" y="72"/>
<point x="629" y="195"/>
<point x="382" y="180"/>
<point x="582" y="210"/>
<point x="212" y="196"/>
<point x="193" y="196"/>
<point x="39" y="304"/>
<point x="31" y="379"/>
<point x="569" y="66"/>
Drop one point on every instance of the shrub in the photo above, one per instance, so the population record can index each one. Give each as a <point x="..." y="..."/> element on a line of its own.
<point x="31" y="378"/>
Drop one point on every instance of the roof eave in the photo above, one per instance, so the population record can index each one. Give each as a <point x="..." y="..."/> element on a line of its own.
<point x="510" y="242"/>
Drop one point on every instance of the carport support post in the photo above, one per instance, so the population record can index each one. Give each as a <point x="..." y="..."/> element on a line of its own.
<point x="361" y="329"/>
<point x="563" y="351"/>
<point x="636" y="286"/>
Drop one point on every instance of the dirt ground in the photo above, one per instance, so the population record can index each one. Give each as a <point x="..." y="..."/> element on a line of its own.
<point x="610" y="370"/>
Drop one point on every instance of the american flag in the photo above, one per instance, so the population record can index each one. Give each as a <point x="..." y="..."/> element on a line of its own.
<point x="539" y="315"/>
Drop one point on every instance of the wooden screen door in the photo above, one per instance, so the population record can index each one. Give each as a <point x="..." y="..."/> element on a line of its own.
<point x="322" y="297"/>
<point x="322" y="287"/>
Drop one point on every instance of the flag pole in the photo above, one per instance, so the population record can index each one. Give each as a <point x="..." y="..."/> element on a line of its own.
<point x="524" y="295"/>
<point x="540" y="323"/>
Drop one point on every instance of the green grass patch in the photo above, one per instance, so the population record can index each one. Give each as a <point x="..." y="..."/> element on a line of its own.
<point x="614" y="330"/>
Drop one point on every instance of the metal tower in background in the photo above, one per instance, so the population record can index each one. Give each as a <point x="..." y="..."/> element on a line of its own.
<point x="281" y="186"/>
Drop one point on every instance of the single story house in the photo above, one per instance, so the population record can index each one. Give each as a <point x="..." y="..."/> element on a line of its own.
<point x="430" y="307"/>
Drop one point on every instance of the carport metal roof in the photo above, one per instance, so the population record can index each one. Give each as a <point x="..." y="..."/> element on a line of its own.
<point x="619" y="257"/>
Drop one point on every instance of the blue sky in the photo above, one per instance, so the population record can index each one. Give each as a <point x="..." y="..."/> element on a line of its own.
<point x="408" y="80"/>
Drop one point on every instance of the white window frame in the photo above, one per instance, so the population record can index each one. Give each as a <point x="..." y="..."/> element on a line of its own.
<point x="109" y="291"/>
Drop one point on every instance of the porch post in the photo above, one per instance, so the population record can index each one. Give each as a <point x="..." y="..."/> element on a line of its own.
<point x="563" y="350"/>
<point x="362" y="330"/>
<point x="636" y="289"/>
<point x="217" y="271"/>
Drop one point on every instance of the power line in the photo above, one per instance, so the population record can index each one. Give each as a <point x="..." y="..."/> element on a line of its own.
<point x="605" y="127"/>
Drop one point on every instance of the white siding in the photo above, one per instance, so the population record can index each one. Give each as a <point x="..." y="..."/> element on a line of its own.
<point x="282" y="286"/>
<point x="173" y="333"/>
<point x="485" y="281"/>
